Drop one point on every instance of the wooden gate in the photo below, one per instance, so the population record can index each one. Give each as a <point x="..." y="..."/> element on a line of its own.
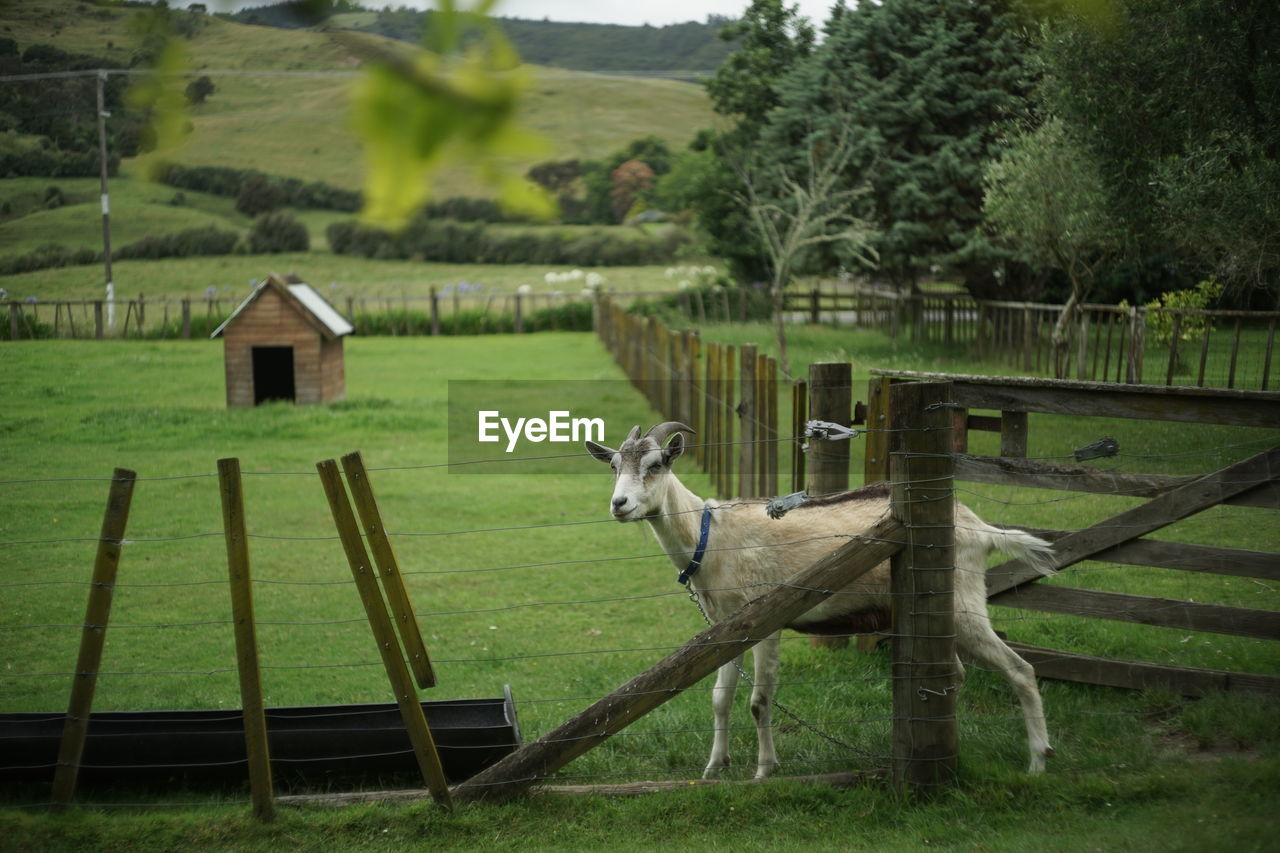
<point x="1253" y="482"/>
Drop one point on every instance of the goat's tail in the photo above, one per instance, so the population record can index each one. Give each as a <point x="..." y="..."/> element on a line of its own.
<point x="1034" y="551"/>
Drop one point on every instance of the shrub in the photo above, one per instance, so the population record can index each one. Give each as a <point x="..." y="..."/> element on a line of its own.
<point x="49" y="256"/>
<point x="257" y="194"/>
<point x="278" y="232"/>
<point x="184" y="244"/>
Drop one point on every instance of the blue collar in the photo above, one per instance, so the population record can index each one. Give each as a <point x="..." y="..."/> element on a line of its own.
<point x="696" y="562"/>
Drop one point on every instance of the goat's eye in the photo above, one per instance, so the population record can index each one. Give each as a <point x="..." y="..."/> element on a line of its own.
<point x="655" y="470"/>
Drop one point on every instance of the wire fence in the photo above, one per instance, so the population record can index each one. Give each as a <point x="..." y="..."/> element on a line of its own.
<point x="544" y="627"/>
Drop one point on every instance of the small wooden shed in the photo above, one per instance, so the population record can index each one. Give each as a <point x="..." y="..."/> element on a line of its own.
<point x="284" y="342"/>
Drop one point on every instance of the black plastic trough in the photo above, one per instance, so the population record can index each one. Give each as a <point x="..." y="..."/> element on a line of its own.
<point x="310" y="746"/>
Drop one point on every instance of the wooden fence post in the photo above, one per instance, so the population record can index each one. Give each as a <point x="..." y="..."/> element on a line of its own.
<point x="711" y="401"/>
<point x="925" y="680"/>
<point x="93" y="636"/>
<point x="251" y="700"/>
<point x="384" y="633"/>
<point x="748" y="416"/>
<point x="799" y="416"/>
<point x="435" y="312"/>
<point x="875" y="462"/>
<point x="767" y="369"/>
<point x="97" y="319"/>
<point x="726" y="421"/>
<point x="519" y="313"/>
<point x="186" y="319"/>
<point x="830" y="399"/>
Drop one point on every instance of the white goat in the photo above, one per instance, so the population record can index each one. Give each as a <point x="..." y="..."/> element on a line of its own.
<point x="748" y="553"/>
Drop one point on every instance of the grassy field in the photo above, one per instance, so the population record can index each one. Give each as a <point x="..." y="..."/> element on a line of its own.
<point x="178" y="278"/>
<point x="563" y="611"/>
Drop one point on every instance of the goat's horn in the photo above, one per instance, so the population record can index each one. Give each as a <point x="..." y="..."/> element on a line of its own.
<point x="661" y="432"/>
<point x="634" y="434"/>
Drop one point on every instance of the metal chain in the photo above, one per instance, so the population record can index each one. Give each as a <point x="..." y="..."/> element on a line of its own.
<point x="693" y="596"/>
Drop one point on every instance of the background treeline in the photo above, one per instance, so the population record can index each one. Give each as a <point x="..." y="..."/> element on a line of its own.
<point x="687" y="47"/>
<point x="1028" y="149"/>
<point x="61" y="113"/>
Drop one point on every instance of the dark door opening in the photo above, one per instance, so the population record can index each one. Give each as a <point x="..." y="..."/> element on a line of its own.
<point x="272" y="374"/>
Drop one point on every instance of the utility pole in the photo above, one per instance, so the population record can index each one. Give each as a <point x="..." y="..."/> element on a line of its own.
<point x="106" y="203"/>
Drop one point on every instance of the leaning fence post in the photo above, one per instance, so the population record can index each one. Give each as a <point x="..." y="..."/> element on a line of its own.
<point x="251" y="700"/>
<point x="415" y="721"/>
<point x="925" y="677"/>
<point x="93" y="636"/>
<point x="392" y="578"/>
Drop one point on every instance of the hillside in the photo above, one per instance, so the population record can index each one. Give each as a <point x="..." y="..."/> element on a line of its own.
<point x="283" y="107"/>
<point x="690" y="49"/>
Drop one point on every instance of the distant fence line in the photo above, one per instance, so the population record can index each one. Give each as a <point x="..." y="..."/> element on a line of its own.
<point x="1232" y="349"/>
<point x="1108" y="343"/>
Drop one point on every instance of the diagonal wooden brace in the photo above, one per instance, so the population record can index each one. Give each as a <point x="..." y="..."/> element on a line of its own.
<point x="1174" y="505"/>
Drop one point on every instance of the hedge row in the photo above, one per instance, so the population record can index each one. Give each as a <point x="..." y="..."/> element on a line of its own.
<point x="271" y="233"/>
<point x="467" y="243"/>
<point x="54" y="163"/>
<point x="283" y="192"/>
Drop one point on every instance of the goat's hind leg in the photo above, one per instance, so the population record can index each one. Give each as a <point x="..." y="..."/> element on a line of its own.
<point x="976" y="636"/>
<point x="721" y="706"/>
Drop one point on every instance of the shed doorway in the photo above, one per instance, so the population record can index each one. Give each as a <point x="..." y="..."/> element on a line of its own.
<point x="273" y="374"/>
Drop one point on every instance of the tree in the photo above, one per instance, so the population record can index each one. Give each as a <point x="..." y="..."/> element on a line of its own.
<point x="1046" y="195"/>
<point x="199" y="89"/>
<point x="1193" y="162"/>
<point x="928" y="85"/>
<point x="772" y="38"/>
<point x="630" y="181"/>
<point x="806" y="210"/>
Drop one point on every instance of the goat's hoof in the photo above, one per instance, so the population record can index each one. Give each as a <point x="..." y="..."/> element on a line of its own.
<point x="713" y="769"/>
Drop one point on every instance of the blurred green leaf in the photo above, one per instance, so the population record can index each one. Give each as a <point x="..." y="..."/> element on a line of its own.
<point x="162" y="94"/>
<point x="454" y="105"/>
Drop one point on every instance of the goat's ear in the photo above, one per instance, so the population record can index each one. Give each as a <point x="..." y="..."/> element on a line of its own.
<point x="599" y="451"/>
<point x="674" y="448"/>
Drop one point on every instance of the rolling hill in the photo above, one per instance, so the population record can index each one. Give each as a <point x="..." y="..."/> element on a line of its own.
<point x="280" y="106"/>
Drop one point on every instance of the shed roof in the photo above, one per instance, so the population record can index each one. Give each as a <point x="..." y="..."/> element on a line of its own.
<point x="310" y="305"/>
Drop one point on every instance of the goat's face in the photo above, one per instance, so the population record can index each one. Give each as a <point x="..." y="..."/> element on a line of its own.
<point x="641" y="469"/>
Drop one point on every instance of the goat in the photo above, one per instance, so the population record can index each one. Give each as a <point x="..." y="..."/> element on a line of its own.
<point x="751" y="552"/>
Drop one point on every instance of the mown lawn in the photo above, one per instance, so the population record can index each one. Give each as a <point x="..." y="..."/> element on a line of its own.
<point x="563" y="611"/>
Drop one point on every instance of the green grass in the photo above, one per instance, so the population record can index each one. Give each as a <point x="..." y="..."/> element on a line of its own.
<point x="76" y="409"/>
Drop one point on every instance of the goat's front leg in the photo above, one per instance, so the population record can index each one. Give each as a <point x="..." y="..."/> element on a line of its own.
<point x="766" y="656"/>
<point x="722" y="705"/>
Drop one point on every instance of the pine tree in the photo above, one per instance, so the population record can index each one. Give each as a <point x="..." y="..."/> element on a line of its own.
<point x="928" y="84"/>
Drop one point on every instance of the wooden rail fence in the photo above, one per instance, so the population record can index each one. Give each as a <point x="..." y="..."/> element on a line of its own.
<point x="701" y="383"/>
<point x="1120" y="539"/>
<point x="1232" y="349"/>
